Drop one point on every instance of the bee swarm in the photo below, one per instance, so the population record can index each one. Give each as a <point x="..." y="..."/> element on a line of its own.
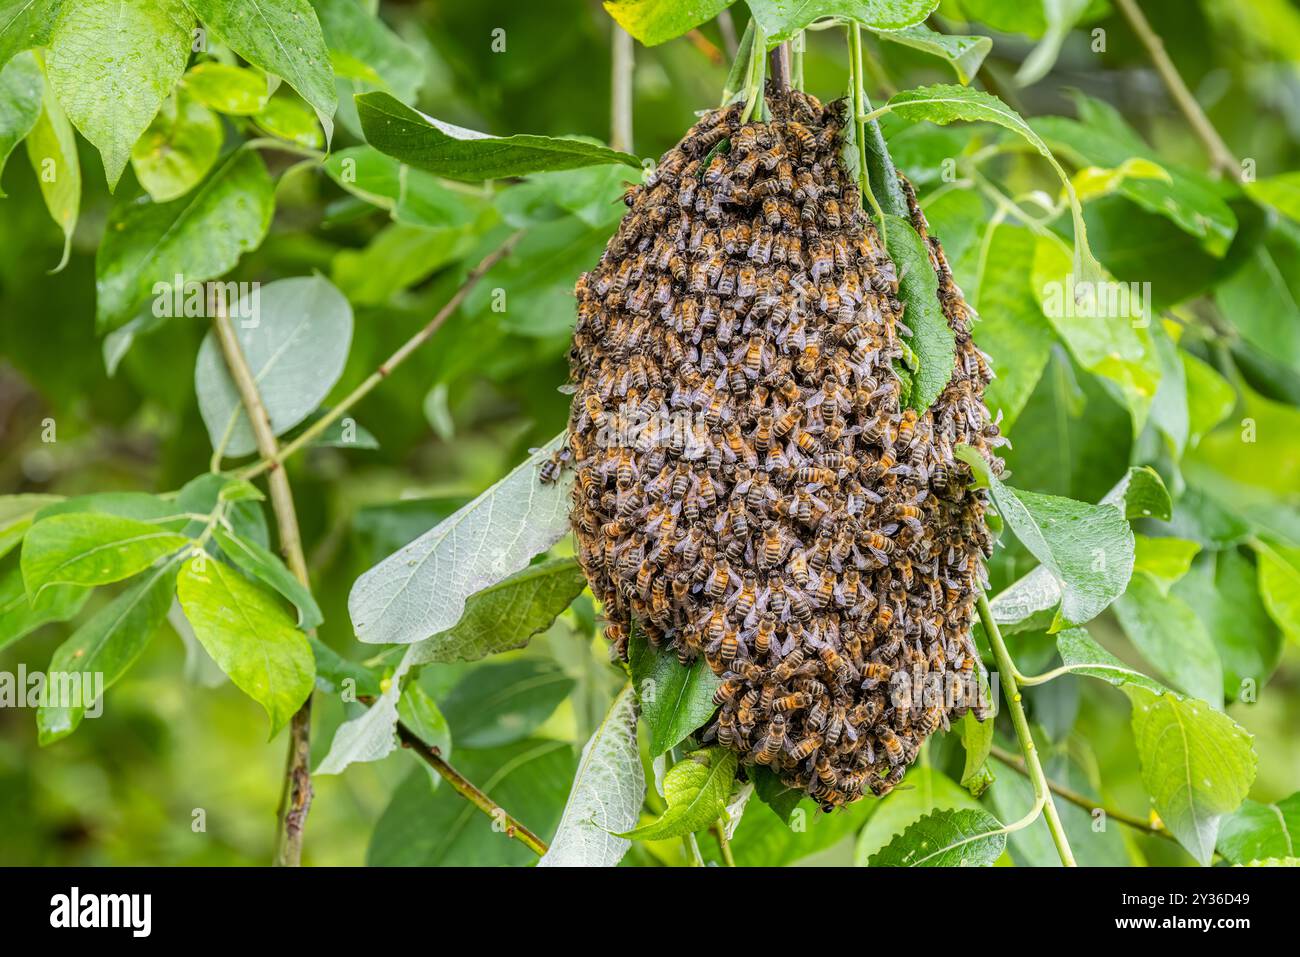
<point x="748" y="486"/>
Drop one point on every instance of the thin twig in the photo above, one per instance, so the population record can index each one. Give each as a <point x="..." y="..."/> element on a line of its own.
<point x="620" y="90"/>
<point x="1006" y="674"/>
<point x="295" y="798"/>
<point x="466" y="789"/>
<point x="1221" y="157"/>
<point x="271" y="462"/>
<point x="780" y="68"/>
<point x="724" y="845"/>
<point x="1017" y="763"/>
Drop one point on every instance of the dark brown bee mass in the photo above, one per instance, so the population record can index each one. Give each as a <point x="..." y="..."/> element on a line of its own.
<point x="748" y="486"/>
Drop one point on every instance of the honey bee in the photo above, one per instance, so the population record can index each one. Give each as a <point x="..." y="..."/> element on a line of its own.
<point x="793" y="702"/>
<point x="727" y="692"/>
<point x="766" y="630"/>
<point x="746" y="597"/>
<point x="773" y="739"/>
<point x="803" y="136"/>
<point x="806" y="748"/>
<point x="893" y="746"/>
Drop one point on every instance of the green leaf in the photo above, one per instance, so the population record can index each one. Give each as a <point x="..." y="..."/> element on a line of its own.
<point x="932" y="339"/>
<point x="1165" y="559"/>
<point x="108" y="644"/>
<point x="1141" y="493"/>
<point x="944" y="104"/>
<point x="89" y="548"/>
<point x="398" y="257"/>
<point x="1262" y="298"/>
<point x="1101" y="137"/>
<point x="414" y="197"/>
<point x="363" y="48"/>
<point x="775" y="793"/>
<point x="288" y="118"/>
<point x="458" y="153"/>
<point x="1260" y="831"/>
<point x="1114" y="343"/>
<point x="1087" y="549"/>
<point x="495" y="704"/>
<point x="1081" y="655"/>
<point x="1282" y="192"/>
<point x="676" y="699"/>
<point x="1061" y="16"/>
<point x="1254" y="448"/>
<point x="282" y="37"/>
<point x="140" y="506"/>
<point x="505" y="615"/>
<point x="1197" y="765"/>
<point x="296" y="345"/>
<point x="696" y="789"/>
<point x="178" y="149"/>
<point x="16" y="514"/>
<point x="427" y="828"/>
<point x="249" y="635"/>
<point x="199" y="236"/>
<point x="782" y="19"/>
<point x="1222" y="588"/>
<point x="52" y="150"/>
<point x="964" y="54"/>
<point x="657" y="21"/>
<point x="977" y="741"/>
<point x="927" y="790"/>
<point x="1170" y="636"/>
<point x="112" y="63"/>
<point x="21" y="92"/>
<point x="20" y="616"/>
<point x="1011" y="327"/>
<point x="267" y="568"/>
<point x="1279" y="584"/>
<point x="332" y="670"/>
<point x="27" y="23"/>
<point x="235" y="90"/>
<point x="607" y="793"/>
<point x="963" y="838"/>
<point x="421" y="589"/>
<point x="1210" y="397"/>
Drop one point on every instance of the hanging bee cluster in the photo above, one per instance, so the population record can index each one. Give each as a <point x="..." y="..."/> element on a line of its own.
<point x="749" y="483"/>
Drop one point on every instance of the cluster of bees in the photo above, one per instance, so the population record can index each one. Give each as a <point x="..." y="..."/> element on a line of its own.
<point x="750" y="485"/>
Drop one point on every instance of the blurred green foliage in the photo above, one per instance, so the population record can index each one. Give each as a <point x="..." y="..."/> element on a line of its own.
<point x="176" y="740"/>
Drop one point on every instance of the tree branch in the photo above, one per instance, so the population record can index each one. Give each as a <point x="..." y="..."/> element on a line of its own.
<point x="270" y="461"/>
<point x="1221" y="157"/>
<point x="779" y="68"/>
<point x="1034" y="767"/>
<point x="295" y="798"/>
<point x="1016" y="763"/>
<point x="466" y="789"/>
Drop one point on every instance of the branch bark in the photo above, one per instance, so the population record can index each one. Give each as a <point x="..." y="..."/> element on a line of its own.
<point x="1079" y="800"/>
<point x="1221" y="157"/>
<point x="296" y="795"/>
<point x="779" y="67"/>
<point x="620" y="89"/>
<point x="1034" y="767"/>
<point x="466" y="789"/>
<point x="270" y="461"/>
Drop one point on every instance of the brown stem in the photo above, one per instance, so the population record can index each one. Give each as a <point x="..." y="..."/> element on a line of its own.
<point x="295" y="798"/>
<point x="1220" y="156"/>
<point x="1016" y="763"/>
<point x="270" y="462"/>
<point x="727" y="27"/>
<point x="466" y="789"/>
<point x="779" y="68"/>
